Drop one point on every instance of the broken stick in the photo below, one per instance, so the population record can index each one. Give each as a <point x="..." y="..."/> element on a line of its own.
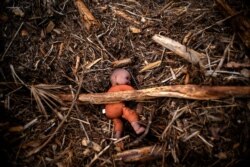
<point x="87" y="17"/>
<point x="190" y="55"/>
<point x="195" y="92"/>
<point x="140" y="154"/>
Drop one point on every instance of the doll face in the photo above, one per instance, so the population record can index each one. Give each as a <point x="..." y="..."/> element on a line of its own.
<point x="123" y="79"/>
<point x="120" y="77"/>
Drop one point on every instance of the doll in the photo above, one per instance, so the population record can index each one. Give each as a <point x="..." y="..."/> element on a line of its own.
<point x="120" y="80"/>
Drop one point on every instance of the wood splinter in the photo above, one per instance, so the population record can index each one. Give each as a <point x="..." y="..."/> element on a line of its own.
<point x="140" y="154"/>
<point x="188" y="54"/>
<point x="194" y="92"/>
<point x="87" y="17"/>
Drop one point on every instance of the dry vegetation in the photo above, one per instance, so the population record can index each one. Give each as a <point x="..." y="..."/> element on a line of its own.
<point x="47" y="48"/>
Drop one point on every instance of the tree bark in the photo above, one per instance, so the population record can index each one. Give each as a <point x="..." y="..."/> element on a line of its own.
<point x="195" y="92"/>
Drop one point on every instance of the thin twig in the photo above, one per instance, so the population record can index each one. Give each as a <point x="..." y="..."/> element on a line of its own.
<point x="175" y="116"/>
<point x="15" y="76"/>
<point x="208" y="58"/>
<point x="205" y="141"/>
<point x="81" y="123"/>
<point x="13" y="38"/>
<point x="80" y="120"/>
<point x="226" y="53"/>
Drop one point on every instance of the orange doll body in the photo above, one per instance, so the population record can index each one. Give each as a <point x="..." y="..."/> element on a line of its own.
<point x="116" y="111"/>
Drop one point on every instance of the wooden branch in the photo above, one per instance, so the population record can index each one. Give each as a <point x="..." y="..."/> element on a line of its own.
<point x="195" y="92"/>
<point x="140" y="154"/>
<point x="87" y="17"/>
<point x="189" y="54"/>
<point x="239" y="22"/>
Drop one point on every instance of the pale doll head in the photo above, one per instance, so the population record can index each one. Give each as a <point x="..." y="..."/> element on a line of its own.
<point x="120" y="76"/>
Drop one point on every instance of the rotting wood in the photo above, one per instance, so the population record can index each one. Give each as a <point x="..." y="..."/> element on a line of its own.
<point x="239" y="22"/>
<point x="194" y="92"/>
<point x="190" y="55"/>
<point x="87" y="17"/>
<point x="139" y="154"/>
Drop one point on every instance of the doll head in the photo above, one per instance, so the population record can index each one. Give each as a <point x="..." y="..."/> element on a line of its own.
<point x="120" y="76"/>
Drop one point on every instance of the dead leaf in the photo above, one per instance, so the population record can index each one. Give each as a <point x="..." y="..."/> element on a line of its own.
<point x="18" y="12"/>
<point x="50" y="27"/>
<point x="150" y="66"/>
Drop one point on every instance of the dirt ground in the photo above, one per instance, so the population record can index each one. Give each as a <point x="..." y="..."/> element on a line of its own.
<point x="46" y="49"/>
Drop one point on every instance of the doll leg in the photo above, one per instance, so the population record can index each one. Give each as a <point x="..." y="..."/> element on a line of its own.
<point x="118" y="127"/>
<point x="133" y="118"/>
